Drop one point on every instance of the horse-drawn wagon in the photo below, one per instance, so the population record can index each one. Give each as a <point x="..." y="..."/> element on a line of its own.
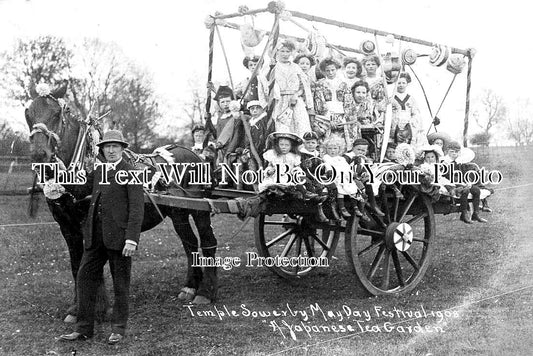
<point x="389" y="252"/>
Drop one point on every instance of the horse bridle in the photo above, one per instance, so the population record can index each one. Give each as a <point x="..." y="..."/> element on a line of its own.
<point x="52" y="135"/>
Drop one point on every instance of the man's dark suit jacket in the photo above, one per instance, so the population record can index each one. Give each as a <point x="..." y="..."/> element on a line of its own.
<point x="122" y="208"/>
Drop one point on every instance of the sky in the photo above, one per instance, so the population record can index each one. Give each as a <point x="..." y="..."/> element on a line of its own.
<point x="169" y="38"/>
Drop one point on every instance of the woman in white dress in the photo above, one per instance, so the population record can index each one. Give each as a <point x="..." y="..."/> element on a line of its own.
<point x="292" y="91"/>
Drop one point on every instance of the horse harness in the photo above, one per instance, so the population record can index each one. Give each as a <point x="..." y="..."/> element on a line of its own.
<point x="42" y="128"/>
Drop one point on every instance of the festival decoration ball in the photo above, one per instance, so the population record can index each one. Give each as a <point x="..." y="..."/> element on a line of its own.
<point x="439" y="55"/>
<point x="367" y="47"/>
<point x="456" y="63"/>
<point x="409" y="56"/>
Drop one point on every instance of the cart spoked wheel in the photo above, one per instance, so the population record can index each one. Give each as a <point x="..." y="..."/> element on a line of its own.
<point x="391" y="255"/>
<point x="279" y="236"/>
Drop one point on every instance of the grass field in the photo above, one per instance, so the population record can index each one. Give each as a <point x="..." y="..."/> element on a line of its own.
<point x="479" y="287"/>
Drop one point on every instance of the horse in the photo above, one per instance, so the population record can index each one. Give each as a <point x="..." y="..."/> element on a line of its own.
<point x="54" y="135"/>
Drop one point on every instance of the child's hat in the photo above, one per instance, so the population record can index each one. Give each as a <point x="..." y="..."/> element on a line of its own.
<point x="254" y="103"/>
<point x="466" y="155"/>
<point x="433" y="148"/>
<point x="360" y="142"/>
<point x="288" y="135"/>
<point x="310" y="135"/>
<point x="392" y="145"/>
<point x="223" y="92"/>
<point x="453" y="145"/>
<point x="198" y="127"/>
<point x="439" y="135"/>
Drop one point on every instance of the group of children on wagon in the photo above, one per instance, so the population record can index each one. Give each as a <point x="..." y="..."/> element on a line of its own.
<point x="318" y="114"/>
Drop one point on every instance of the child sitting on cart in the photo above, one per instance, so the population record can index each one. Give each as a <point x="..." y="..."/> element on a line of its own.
<point x="347" y="185"/>
<point x="357" y="157"/>
<point x="311" y="161"/>
<point x="405" y="114"/>
<point x="390" y="153"/>
<point x="259" y="131"/>
<point x="431" y="155"/>
<point x="453" y="151"/>
<point x="283" y="163"/>
<point x="441" y="139"/>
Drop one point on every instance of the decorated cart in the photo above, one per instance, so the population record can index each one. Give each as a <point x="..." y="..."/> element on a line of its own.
<point x="388" y="254"/>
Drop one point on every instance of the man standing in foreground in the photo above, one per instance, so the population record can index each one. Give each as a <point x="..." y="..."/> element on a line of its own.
<point x="111" y="232"/>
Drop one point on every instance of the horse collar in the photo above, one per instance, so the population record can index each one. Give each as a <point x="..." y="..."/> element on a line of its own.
<point x="42" y="128"/>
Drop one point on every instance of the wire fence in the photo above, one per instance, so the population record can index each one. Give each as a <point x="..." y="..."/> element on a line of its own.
<point x="16" y="175"/>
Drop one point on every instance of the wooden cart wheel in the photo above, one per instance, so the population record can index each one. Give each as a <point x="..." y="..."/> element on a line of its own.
<point x="283" y="236"/>
<point x="392" y="255"/>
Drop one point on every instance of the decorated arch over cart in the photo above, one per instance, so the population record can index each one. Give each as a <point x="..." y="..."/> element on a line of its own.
<point x="391" y="250"/>
<point x="394" y="49"/>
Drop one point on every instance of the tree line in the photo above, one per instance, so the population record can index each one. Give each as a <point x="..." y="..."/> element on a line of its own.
<point x="101" y="80"/>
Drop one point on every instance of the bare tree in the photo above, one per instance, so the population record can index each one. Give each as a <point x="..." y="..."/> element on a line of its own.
<point x="194" y="107"/>
<point x="43" y="59"/>
<point x="97" y="68"/>
<point x="493" y="112"/>
<point x="520" y="122"/>
<point x="101" y="79"/>
<point x="135" y="108"/>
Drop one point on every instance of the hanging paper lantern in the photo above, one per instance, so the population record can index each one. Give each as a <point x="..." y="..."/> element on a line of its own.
<point x="316" y="44"/>
<point x="456" y="63"/>
<point x="409" y="57"/>
<point x="367" y="47"/>
<point x="285" y="16"/>
<point x="249" y="36"/>
<point x="276" y="7"/>
<point x="243" y="9"/>
<point x="439" y="55"/>
<point x="390" y="39"/>
<point x="391" y="67"/>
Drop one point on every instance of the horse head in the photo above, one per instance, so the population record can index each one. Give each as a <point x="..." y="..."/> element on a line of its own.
<point x="51" y="134"/>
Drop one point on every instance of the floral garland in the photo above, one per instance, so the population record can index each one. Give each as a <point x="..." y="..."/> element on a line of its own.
<point x="276" y="7"/>
<point x="43" y="89"/>
<point x="405" y="154"/>
<point x="210" y="21"/>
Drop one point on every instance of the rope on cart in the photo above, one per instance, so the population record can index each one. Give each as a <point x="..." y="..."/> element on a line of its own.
<point x="261" y="59"/>
<point x="423" y="90"/>
<point x="233" y="206"/>
<point x="244" y="223"/>
<point x="253" y="150"/>
<point x="225" y="57"/>
<point x="442" y="102"/>
<point x="212" y="208"/>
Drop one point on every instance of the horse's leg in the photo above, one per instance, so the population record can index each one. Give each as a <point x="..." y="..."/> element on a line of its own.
<point x="69" y="216"/>
<point x="62" y="210"/>
<point x="207" y="292"/>
<point x="152" y="217"/>
<point x="180" y="220"/>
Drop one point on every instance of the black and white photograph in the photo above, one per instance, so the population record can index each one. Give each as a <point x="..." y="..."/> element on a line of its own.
<point x="255" y="177"/>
